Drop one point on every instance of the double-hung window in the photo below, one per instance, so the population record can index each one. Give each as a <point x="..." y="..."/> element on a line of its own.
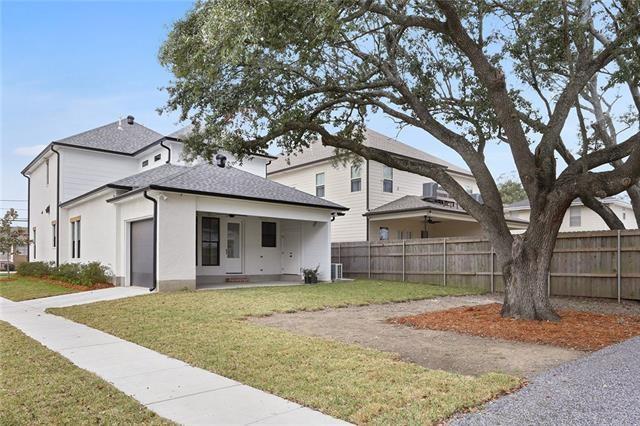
<point x="387" y="179"/>
<point x="210" y="241"/>
<point x="54" y="235"/>
<point x="356" y="178"/>
<point x="575" y="218"/>
<point x="75" y="238"/>
<point x="320" y="185"/>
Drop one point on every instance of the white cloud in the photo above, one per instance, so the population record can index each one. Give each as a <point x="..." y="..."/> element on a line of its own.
<point x="29" y="151"/>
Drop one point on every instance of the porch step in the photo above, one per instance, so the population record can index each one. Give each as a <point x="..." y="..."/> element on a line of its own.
<point x="237" y="279"/>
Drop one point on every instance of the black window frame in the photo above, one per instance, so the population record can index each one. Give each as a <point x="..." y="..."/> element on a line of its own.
<point x="271" y="234"/>
<point x="157" y="158"/>
<point x="76" y="236"/>
<point x="34" y="243"/>
<point x="209" y="240"/>
<point x="53" y="230"/>
<point x="145" y="163"/>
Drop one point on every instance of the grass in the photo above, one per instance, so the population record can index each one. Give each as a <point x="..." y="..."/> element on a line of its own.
<point x="365" y="386"/>
<point x="19" y="288"/>
<point x="38" y="386"/>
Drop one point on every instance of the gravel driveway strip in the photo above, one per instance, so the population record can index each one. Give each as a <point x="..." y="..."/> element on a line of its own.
<point x="601" y="388"/>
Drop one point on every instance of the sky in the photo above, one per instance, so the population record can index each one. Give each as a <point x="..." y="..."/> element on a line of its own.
<point x="67" y="67"/>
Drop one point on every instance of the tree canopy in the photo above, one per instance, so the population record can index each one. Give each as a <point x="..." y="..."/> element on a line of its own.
<point x="468" y="73"/>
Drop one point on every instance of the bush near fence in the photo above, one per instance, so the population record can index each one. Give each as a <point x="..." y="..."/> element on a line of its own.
<point x="587" y="264"/>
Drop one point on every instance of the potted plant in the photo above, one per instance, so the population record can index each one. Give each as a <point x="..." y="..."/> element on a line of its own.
<point x="310" y="275"/>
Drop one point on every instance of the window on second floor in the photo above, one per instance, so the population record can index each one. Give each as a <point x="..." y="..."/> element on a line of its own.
<point x="387" y="179"/>
<point x="145" y="163"/>
<point x="47" y="166"/>
<point x="356" y="178"/>
<point x="320" y="185"/>
<point x="157" y="157"/>
<point x="575" y="216"/>
<point x="624" y="215"/>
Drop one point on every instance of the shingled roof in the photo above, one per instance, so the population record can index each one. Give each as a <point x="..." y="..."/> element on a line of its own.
<point x="318" y="152"/>
<point x="208" y="179"/>
<point x="119" y="136"/>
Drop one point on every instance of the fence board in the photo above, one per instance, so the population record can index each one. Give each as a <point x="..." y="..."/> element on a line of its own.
<point x="584" y="263"/>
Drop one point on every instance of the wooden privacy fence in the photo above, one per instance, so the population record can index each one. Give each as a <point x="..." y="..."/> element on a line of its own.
<point x="588" y="264"/>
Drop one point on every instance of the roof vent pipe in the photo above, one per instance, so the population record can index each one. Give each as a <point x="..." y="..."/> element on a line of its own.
<point x="130" y="119"/>
<point x="221" y="160"/>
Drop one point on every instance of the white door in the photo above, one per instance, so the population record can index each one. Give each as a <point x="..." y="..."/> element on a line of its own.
<point x="291" y="251"/>
<point x="233" y="263"/>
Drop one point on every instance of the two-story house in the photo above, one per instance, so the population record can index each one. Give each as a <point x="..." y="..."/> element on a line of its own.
<point x="384" y="204"/>
<point x="578" y="217"/>
<point x="122" y="195"/>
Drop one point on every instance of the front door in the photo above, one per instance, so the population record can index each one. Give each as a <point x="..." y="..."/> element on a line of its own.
<point x="291" y="250"/>
<point x="233" y="264"/>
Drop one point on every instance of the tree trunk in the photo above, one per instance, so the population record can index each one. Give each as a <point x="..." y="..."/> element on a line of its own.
<point x="634" y="195"/>
<point x="525" y="275"/>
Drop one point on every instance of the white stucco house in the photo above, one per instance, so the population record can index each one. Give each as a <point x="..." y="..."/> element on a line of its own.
<point x="578" y="217"/>
<point x="384" y="204"/>
<point x="122" y="195"/>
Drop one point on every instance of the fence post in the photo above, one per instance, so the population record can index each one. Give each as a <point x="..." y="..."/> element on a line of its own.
<point x="369" y="260"/>
<point x="619" y="273"/>
<point x="444" y="257"/>
<point x="492" y="279"/>
<point x="403" y="260"/>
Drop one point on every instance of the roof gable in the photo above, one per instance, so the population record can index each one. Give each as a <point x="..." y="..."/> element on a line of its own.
<point x="118" y="136"/>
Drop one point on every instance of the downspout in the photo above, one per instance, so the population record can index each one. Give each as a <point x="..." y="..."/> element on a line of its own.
<point x="29" y="216"/>
<point x="367" y="207"/>
<point x="266" y="168"/>
<point x="57" y="205"/>
<point x="155" y="240"/>
<point x="168" y="149"/>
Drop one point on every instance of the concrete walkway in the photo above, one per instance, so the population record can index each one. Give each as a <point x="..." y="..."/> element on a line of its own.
<point x="602" y="388"/>
<point x="167" y="386"/>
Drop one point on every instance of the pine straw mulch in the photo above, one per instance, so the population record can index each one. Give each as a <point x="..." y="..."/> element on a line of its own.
<point x="584" y="331"/>
<point x="65" y="284"/>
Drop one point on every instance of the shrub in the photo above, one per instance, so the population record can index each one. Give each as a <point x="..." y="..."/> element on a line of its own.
<point x="35" y="269"/>
<point x="76" y="273"/>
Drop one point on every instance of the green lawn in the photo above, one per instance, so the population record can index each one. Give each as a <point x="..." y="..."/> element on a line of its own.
<point x="206" y="329"/>
<point x="38" y="386"/>
<point x="19" y="288"/>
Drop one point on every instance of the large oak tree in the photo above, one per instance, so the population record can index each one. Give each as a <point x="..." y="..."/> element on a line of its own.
<point x="249" y="73"/>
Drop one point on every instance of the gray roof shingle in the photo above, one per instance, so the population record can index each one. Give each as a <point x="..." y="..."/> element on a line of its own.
<point x="118" y="136"/>
<point x="208" y="179"/>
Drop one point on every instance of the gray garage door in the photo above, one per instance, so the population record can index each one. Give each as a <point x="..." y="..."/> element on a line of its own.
<point x="142" y="253"/>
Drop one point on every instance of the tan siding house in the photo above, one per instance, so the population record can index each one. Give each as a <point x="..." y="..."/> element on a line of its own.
<point x="379" y="187"/>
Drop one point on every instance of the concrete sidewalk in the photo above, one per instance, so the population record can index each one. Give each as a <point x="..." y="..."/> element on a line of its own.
<point x="167" y="386"/>
<point x="84" y="297"/>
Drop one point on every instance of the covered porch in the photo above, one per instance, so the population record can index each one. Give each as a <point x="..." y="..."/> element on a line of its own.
<point x="413" y="217"/>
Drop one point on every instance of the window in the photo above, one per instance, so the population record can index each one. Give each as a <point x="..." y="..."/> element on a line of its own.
<point x="574" y="216"/>
<point x="210" y="241"/>
<point x="387" y="179"/>
<point x="47" y="165"/>
<point x="320" y="185"/>
<point x="34" y="243"/>
<point x="404" y="235"/>
<point x="157" y="157"/>
<point x="268" y="234"/>
<point x="383" y="233"/>
<point x="356" y="178"/>
<point x="53" y="233"/>
<point x="145" y="163"/>
<point x="75" y="238"/>
<point x="624" y="215"/>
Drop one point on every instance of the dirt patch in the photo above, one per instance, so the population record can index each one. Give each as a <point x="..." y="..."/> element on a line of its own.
<point x="443" y="350"/>
<point x="579" y="330"/>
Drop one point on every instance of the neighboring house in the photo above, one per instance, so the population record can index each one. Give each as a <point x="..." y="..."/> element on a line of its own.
<point x="17" y="255"/>
<point x="383" y="203"/>
<point x="121" y="194"/>
<point x="578" y="217"/>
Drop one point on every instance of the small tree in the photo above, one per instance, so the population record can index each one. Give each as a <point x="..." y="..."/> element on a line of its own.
<point x="11" y="237"/>
<point x="511" y="191"/>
